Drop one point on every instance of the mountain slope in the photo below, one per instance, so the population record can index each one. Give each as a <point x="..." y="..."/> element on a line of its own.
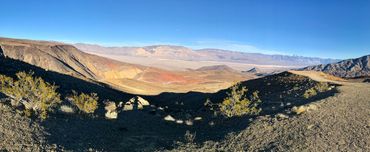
<point x="359" y="67"/>
<point x="132" y="78"/>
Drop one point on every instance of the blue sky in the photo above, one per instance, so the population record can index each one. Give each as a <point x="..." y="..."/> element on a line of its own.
<point x="335" y="29"/>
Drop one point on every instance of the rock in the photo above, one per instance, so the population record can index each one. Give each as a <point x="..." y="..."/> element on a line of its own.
<point x="298" y="110"/>
<point x="128" y="107"/>
<point x="111" y="114"/>
<point x="66" y="109"/>
<point x="189" y="122"/>
<point x="282" y="116"/>
<point x="120" y="105"/>
<point x="110" y="106"/>
<point x="301" y="109"/>
<point x="211" y="123"/>
<point x="311" y="107"/>
<point x="143" y="101"/>
<point x="179" y="121"/>
<point x="111" y="109"/>
<point x="169" y="118"/>
<point x="138" y="103"/>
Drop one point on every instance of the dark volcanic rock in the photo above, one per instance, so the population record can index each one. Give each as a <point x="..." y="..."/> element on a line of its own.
<point x="1" y="52"/>
<point x="351" y="68"/>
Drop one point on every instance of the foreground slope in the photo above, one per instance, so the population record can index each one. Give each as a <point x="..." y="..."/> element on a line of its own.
<point x="144" y="130"/>
<point x="340" y="123"/>
<point x="351" y="68"/>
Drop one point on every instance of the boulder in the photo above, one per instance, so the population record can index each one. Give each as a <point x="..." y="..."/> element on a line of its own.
<point x="111" y="114"/>
<point x="179" y="121"/>
<point x="128" y="107"/>
<point x="197" y="118"/>
<point x="111" y="109"/>
<point x="143" y="101"/>
<point x="137" y="103"/>
<point x="302" y="109"/>
<point x="110" y="106"/>
<point x="169" y="118"/>
<point x="189" y="122"/>
<point x="281" y="116"/>
<point x="66" y="109"/>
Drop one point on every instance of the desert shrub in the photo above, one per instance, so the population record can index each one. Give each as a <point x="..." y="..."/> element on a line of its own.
<point x="37" y="96"/>
<point x="318" y="88"/>
<point x="189" y="137"/>
<point x="211" y="106"/>
<point x="86" y="103"/>
<point x="237" y="104"/>
<point x="310" y="93"/>
<point x="322" y="87"/>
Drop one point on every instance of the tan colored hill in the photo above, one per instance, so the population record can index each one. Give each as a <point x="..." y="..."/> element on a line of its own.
<point x="130" y="78"/>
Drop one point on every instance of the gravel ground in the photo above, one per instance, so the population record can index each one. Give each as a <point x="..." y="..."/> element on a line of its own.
<point x="341" y="123"/>
<point x="20" y="133"/>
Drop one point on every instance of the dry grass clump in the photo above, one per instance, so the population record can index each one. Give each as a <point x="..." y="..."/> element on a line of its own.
<point x="237" y="104"/>
<point x="33" y="93"/>
<point x="86" y="103"/>
<point x="318" y="88"/>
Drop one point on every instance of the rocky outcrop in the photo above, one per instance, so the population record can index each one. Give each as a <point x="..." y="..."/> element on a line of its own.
<point x="136" y="103"/>
<point x="359" y="67"/>
<point x="111" y="109"/>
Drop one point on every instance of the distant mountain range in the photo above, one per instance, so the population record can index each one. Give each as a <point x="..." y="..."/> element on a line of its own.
<point x="351" y="68"/>
<point x="184" y="53"/>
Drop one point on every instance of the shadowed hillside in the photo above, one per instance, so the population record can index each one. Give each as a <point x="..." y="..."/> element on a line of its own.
<point x="66" y="83"/>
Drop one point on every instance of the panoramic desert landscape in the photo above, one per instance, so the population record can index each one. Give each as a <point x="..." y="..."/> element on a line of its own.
<point x="184" y="76"/>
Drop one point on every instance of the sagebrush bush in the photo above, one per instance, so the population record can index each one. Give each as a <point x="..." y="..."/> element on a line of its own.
<point x="318" y="88"/>
<point x="322" y="87"/>
<point x="310" y="93"/>
<point x="37" y="96"/>
<point x="86" y="103"/>
<point x="237" y="104"/>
